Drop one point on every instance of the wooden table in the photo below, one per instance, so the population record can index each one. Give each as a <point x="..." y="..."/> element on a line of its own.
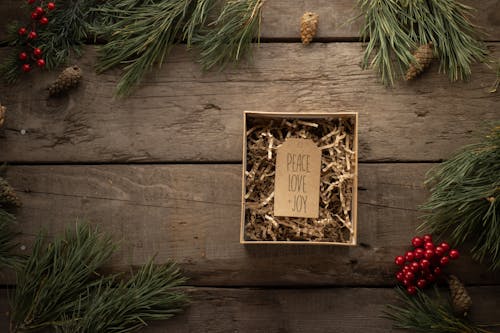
<point x="160" y="170"/>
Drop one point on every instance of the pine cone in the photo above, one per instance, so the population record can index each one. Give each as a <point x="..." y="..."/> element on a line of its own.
<point x="308" y="27"/>
<point x="3" y="110"/>
<point x="69" y="78"/>
<point x="423" y="55"/>
<point x="8" y="196"/>
<point x="460" y="299"/>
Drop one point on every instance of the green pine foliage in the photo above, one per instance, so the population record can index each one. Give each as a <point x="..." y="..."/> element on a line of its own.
<point x="426" y="314"/>
<point x="141" y="34"/>
<point x="60" y="287"/>
<point x="229" y="38"/>
<point x="393" y="29"/>
<point x="465" y="198"/>
<point x="68" y="28"/>
<point x="10" y="64"/>
<point x="55" y="276"/>
<point x="7" y="245"/>
<point x="126" y="306"/>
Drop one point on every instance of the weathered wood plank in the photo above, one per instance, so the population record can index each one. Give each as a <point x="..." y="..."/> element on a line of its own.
<point x="295" y="310"/>
<point x="191" y="213"/>
<point x="281" y="18"/>
<point x="182" y="114"/>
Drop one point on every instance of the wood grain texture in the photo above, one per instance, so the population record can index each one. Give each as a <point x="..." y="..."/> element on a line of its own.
<point x="182" y="114"/>
<point x="342" y="310"/>
<point x="191" y="213"/>
<point x="281" y="18"/>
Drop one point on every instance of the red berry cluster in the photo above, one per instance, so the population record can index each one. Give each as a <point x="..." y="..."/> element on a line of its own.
<point x="38" y="18"/>
<point x="422" y="266"/>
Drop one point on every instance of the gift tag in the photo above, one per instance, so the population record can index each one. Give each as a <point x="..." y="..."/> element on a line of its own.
<point x="296" y="187"/>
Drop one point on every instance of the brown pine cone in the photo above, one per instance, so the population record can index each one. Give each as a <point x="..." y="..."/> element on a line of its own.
<point x="308" y="27"/>
<point x="460" y="299"/>
<point x="3" y="110"/>
<point x="68" y="79"/>
<point x="423" y="55"/>
<point x="8" y="196"/>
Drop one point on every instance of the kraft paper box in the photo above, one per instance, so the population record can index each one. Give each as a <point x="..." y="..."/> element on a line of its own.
<point x="300" y="178"/>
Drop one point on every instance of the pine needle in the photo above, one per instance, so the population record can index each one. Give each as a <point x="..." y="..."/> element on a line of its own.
<point x="56" y="275"/>
<point x="142" y="33"/>
<point x="423" y="313"/>
<point x="128" y="305"/>
<point x="68" y="28"/>
<point x="59" y="287"/>
<point x="465" y="198"/>
<point x="393" y="29"/>
<point x="9" y="65"/>
<point x="230" y="36"/>
<point x="7" y="245"/>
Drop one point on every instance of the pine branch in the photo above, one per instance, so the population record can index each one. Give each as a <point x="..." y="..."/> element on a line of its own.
<point x="422" y="313"/>
<point x="465" y="198"/>
<point x="9" y="66"/>
<point x="126" y="307"/>
<point x="395" y="28"/>
<point x="7" y="245"/>
<point x="388" y="42"/>
<point x="55" y="276"/>
<point x="143" y="35"/>
<point x="68" y="28"/>
<point x="230" y="36"/>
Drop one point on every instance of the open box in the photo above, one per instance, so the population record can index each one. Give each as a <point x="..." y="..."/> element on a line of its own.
<point x="336" y="135"/>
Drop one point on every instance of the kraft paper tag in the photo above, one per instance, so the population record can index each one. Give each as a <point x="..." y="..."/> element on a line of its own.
<point x="296" y="188"/>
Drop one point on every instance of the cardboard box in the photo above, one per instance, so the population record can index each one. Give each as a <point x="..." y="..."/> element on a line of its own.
<point x="310" y="228"/>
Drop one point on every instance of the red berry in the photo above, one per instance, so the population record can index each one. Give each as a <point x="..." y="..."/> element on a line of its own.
<point x="39" y="10"/>
<point x="409" y="256"/>
<point x="415" y="267"/>
<point x="430" y="277"/>
<point x="26" y="68"/>
<point x="34" y="15"/>
<point x="437" y="271"/>
<point x="427" y="238"/>
<point x="32" y="35"/>
<point x="444" y="261"/>
<point x="417" y="242"/>
<point x="419" y="253"/>
<point x="411" y="290"/>
<point x="37" y="52"/>
<point x="22" y="31"/>
<point x="445" y="246"/>
<point x="454" y="254"/>
<point x="429" y="246"/>
<point x="31" y="1"/>
<point x="51" y="6"/>
<point x="399" y="260"/>
<point x="421" y="283"/>
<point x="407" y="268"/>
<point x="400" y="276"/>
<point x="44" y="20"/>
<point x="439" y="251"/>
<point x="410" y="276"/>
<point x="23" y="56"/>
<point x="425" y="264"/>
<point x="429" y="254"/>
<point x="40" y="63"/>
